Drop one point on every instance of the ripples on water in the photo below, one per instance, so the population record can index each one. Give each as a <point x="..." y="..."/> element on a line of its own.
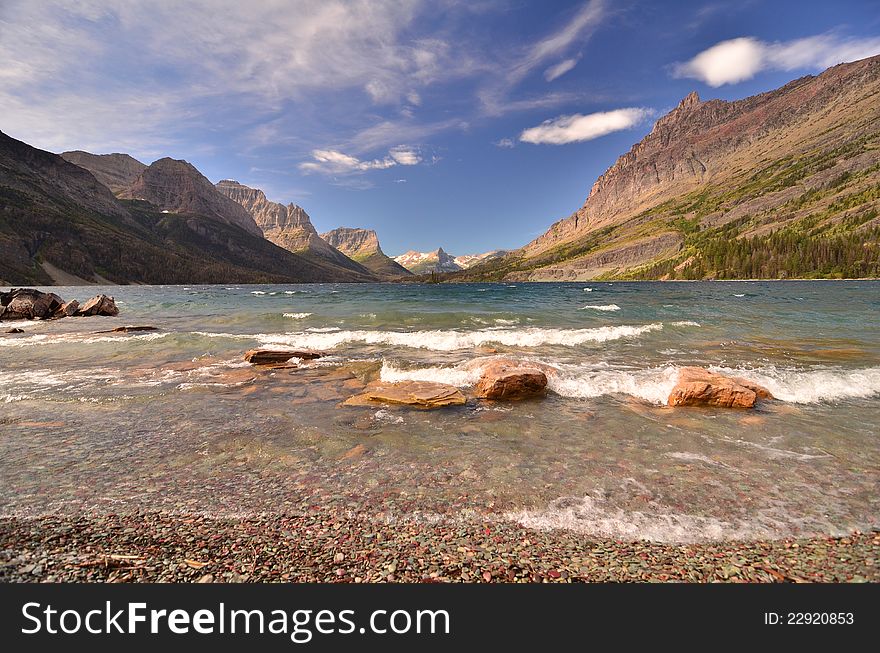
<point x="174" y="419"/>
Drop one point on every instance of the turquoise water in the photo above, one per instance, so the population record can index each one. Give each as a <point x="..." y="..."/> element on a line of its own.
<point x="174" y="419"/>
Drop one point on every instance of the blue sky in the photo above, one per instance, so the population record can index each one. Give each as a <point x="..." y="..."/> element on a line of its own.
<point x="467" y="125"/>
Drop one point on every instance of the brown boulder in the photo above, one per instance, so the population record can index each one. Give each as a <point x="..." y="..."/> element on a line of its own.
<point x="421" y="394"/>
<point x="130" y="329"/>
<point x="278" y="356"/>
<point x="67" y="309"/>
<point x="699" y="387"/>
<point x="508" y="379"/>
<point x="28" y="304"/>
<point x="98" y="305"/>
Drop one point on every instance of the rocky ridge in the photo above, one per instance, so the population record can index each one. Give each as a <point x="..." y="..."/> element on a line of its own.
<point x="362" y="245"/>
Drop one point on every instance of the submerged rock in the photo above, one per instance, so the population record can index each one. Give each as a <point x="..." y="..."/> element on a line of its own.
<point x="509" y="379"/>
<point x="130" y="329"/>
<point x="422" y="394"/>
<point x="98" y="305"/>
<point x="28" y="304"/>
<point x="278" y="356"/>
<point x="14" y="331"/>
<point x="699" y="387"/>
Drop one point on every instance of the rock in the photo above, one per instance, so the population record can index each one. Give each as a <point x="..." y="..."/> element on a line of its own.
<point x="28" y="304"/>
<point x="278" y="356"/>
<point x="68" y="309"/>
<point x="98" y="305"/>
<point x="508" y="379"/>
<point x="130" y="329"/>
<point x="699" y="387"/>
<point x="14" y="331"/>
<point x="421" y="394"/>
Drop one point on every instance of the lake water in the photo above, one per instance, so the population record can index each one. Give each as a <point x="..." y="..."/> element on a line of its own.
<point x="175" y="420"/>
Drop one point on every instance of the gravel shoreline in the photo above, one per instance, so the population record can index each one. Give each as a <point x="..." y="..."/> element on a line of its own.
<point x="327" y="546"/>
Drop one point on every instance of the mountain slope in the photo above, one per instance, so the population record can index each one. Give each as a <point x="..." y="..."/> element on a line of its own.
<point x="781" y="184"/>
<point x="362" y="245"/>
<point x="116" y="171"/>
<point x="177" y="187"/>
<point x="59" y="224"/>
<point x="470" y="260"/>
<point x="428" y="262"/>
<point x="290" y="227"/>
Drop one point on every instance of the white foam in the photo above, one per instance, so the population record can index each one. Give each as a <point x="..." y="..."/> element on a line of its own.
<point x="810" y="386"/>
<point x="600" y="307"/>
<point x="595" y="515"/>
<point x="460" y="375"/>
<point x="296" y="316"/>
<point x="257" y="292"/>
<point x="588" y="290"/>
<point x="78" y="338"/>
<point x="739" y="295"/>
<point x="650" y="384"/>
<point x="452" y="340"/>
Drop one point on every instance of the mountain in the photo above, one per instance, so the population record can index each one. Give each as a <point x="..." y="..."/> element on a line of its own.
<point x="60" y="225"/>
<point x="289" y="227"/>
<point x="470" y="260"/>
<point x="116" y="171"/>
<point x="176" y="186"/>
<point x="362" y="245"/>
<point x="427" y="262"/>
<point x="781" y="184"/>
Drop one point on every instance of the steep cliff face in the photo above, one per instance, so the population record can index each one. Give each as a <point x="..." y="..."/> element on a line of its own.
<point x="288" y="226"/>
<point x="177" y="187"/>
<point x="116" y="171"/>
<point x="760" y="163"/>
<point x="362" y="245"/>
<point x="427" y="262"/>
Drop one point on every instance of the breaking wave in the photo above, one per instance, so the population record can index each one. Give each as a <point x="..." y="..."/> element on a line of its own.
<point x="600" y="307"/>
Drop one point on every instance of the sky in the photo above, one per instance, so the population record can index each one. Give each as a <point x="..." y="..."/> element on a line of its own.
<point x="468" y="125"/>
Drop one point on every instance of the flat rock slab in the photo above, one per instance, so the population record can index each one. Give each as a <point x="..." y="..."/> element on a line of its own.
<point x="510" y="380"/>
<point x="278" y="356"/>
<point x="420" y="394"/>
<point x="699" y="387"/>
<point x="130" y="329"/>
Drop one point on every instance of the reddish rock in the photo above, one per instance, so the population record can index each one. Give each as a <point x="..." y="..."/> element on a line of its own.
<point x="421" y="394"/>
<point x="28" y="304"/>
<point x="68" y="309"/>
<point x="507" y="379"/>
<point x="699" y="387"/>
<point x="98" y="305"/>
<point x="278" y="356"/>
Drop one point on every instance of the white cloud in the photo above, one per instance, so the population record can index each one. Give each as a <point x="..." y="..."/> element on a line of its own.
<point x="504" y="143"/>
<point x="578" y="127"/>
<point x="558" y="70"/>
<point x="736" y="60"/>
<point x="333" y="162"/>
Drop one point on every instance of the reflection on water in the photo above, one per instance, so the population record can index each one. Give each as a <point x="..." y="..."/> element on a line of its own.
<point x="175" y="420"/>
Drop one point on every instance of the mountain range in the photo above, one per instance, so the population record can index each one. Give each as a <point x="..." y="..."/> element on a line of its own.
<point x="438" y="261"/>
<point x="778" y="185"/>
<point x="82" y="218"/>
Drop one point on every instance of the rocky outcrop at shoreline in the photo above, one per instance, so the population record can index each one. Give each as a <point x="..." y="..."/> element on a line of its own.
<point x="421" y="394"/>
<point x="31" y="304"/>
<point x="699" y="387"/>
<point x="507" y="379"/>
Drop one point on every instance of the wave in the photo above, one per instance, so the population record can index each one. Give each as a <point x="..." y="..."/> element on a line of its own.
<point x="77" y="338"/>
<point x="296" y="316"/>
<point x="654" y="384"/>
<point x="595" y="515"/>
<point x="812" y="386"/>
<point x="453" y="340"/>
<point x="600" y="307"/>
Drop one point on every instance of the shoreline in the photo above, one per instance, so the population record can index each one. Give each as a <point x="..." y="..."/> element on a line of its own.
<point x="333" y="546"/>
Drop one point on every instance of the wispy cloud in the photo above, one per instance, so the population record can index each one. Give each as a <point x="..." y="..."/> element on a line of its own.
<point x="558" y="70"/>
<point x="577" y="127"/>
<point x="505" y="143"/>
<point x="740" y="59"/>
<point x="333" y="162"/>
<point x="577" y="30"/>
